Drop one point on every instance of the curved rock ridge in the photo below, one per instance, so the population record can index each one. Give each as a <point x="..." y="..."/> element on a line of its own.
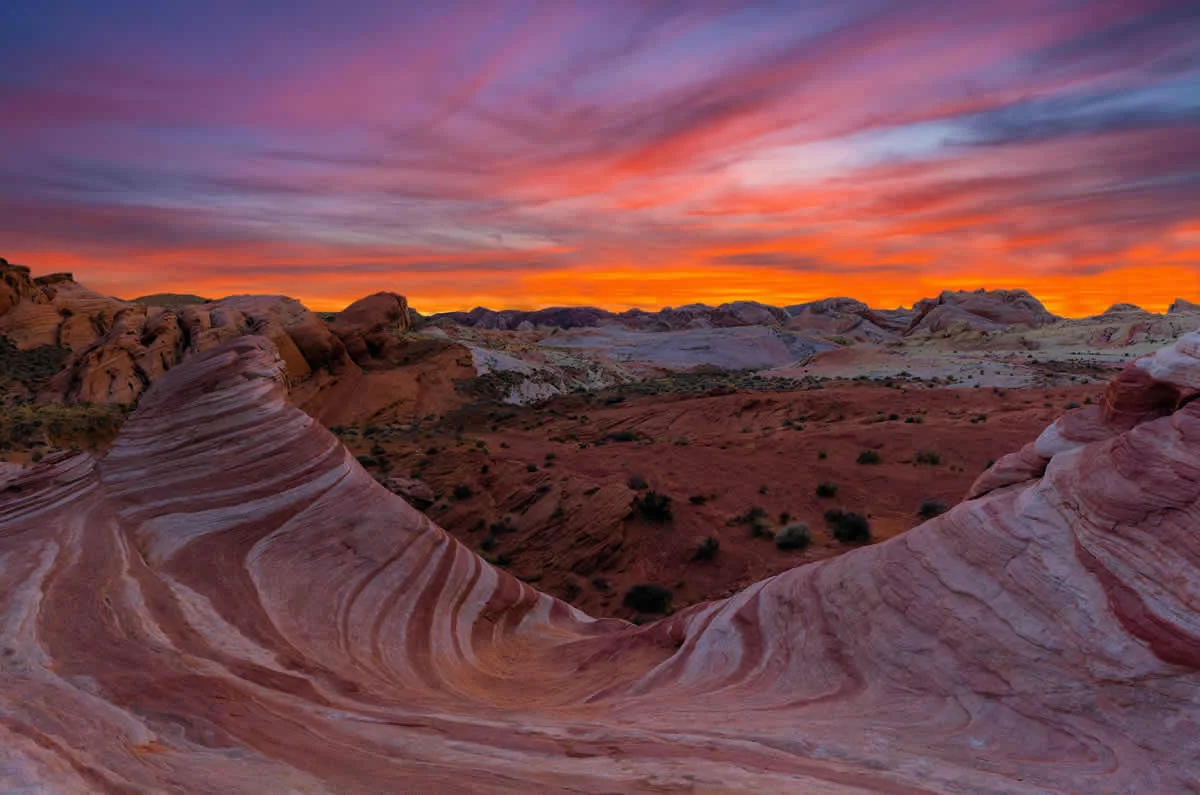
<point x="226" y="602"/>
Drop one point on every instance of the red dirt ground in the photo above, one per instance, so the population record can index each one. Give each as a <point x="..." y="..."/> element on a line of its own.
<point x="567" y="497"/>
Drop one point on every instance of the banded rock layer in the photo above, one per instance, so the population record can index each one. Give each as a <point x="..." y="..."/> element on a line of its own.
<point x="225" y="602"/>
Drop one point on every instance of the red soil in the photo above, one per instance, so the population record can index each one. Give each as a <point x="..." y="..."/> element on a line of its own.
<point x="576" y="537"/>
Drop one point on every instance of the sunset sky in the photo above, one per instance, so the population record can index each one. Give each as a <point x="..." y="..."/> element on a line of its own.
<point x="615" y="153"/>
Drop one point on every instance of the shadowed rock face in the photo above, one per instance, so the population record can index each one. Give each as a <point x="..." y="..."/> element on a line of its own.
<point x="226" y="602"/>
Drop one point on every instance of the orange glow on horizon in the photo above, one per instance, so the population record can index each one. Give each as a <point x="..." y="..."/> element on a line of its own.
<point x="626" y="285"/>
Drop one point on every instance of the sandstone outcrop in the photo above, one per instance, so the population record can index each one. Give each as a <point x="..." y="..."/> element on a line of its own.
<point x="978" y="310"/>
<point x="369" y="327"/>
<point x="227" y="602"/>
<point x="845" y="317"/>
<point x="15" y="284"/>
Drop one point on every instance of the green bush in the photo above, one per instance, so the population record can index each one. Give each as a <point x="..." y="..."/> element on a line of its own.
<point x="931" y="457"/>
<point x="827" y="489"/>
<point x="653" y="506"/>
<point x="794" y="536"/>
<point x="931" y="508"/>
<point x="706" y="548"/>
<point x="648" y="598"/>
<point x="868" y="457"/>
<point x="848" y="527"/>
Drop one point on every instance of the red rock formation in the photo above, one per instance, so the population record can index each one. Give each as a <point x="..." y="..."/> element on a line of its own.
<point x="226" y="602"/>
<point x="980" y="310"/>
<point x="119" y="347"/>
<point x="15" y="284"/>
<point x="369" y="327"/>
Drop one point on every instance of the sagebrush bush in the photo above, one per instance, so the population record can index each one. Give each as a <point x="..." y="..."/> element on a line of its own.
<point x="653" y="506"/>
<point x="827" y="489"/>
<point x="931" y="508"/>
<point x="848" y="527"/>
<point x="647" y="598"/>
<point x="706" y="548"/>
<point x="868" y="457"/>
<point x="794" y="536"/>
<point x="931" y="457"/>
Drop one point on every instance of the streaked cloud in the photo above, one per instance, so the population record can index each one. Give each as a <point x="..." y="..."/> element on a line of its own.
<point x="633" y="152"/>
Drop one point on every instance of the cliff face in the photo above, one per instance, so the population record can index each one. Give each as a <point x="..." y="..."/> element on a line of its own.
<point x="258" y="609"/>
<point x="118" y="348"/>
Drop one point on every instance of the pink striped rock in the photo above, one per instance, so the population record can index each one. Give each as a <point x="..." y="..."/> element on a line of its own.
<point x="225" y="602"/>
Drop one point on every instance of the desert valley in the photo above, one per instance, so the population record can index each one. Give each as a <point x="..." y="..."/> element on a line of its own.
<point x="821" y="547"/>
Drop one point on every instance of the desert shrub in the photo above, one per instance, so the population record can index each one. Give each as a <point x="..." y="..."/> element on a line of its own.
<point x="501" y="527"/>
<point x="653" y="506"/>
<point x="615" y="399"/>
<point x="488" y="543"/>
<point x="697" y="499"/>
<point x="637" y="483"/>
<point x="931" y="457"/>
<point x="622" y="436"/>
<point x="647" y="598"/>
<point x="531" y="467"/>
<point x="931" y="508"/>
<point x="794" y="536"/>
<point x="462" y="492"/>
<point x="915" y="419"/>
<point x="848" y="527"/>
<point x="821" y="454"/>
<point x="1071" y="405"/>
<point x="706" y="548"/>
<point x="762" y="489"/>
<point x="368" y="460"/>
<point x="827" y="489"/>
<point x="570" y="591"/>
<point x="868" y="457"/>
<point x="34" y="366"/>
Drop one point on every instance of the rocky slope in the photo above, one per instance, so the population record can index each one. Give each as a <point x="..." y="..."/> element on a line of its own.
<point x="226" y="599"/>
<point x="359" y="365"/>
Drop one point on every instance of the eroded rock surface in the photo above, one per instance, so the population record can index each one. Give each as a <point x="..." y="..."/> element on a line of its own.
<point x="226" y="602"/>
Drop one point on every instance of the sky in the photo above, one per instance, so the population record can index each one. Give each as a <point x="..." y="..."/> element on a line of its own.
<point x="614" y="153"/>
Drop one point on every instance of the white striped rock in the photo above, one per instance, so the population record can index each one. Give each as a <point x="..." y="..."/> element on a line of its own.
<point x="225" y="602"/>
